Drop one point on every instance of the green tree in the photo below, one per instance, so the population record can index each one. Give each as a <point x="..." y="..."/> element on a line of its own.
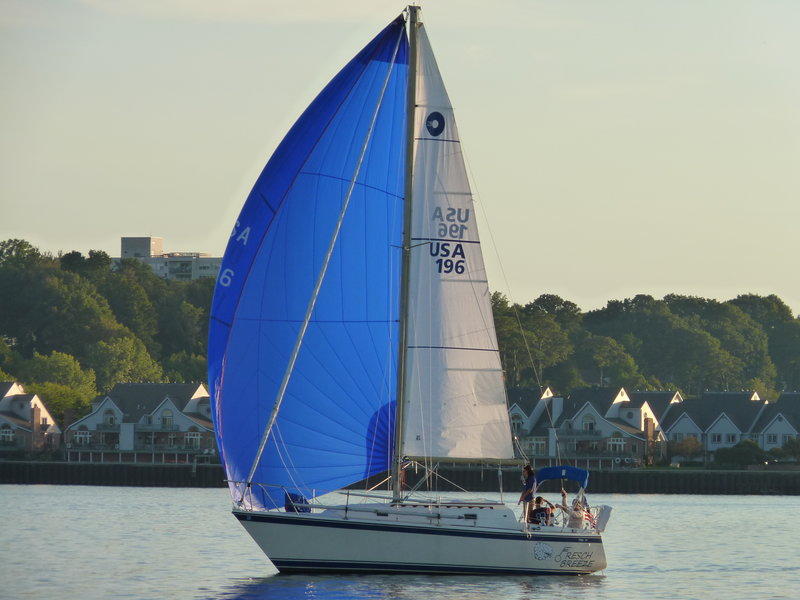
<point x="180" y="327"/>
<point x="45" y="310"/>
<point x="19" y="253"/>
<point x="792" y="448"/>
<point x="59" y="381"/>
<point x="132" y="307"/>
<point x="183" y="367"/>
<point x="609" y="362"/>
<point x="666" y="346"/>
<point x="122" y="359"/>
<point x="58" y="367"/>
<point x="746" y="452"/>
<point x="689" y="447"/>
<point x="65" y="403"/>
<point x="738" y="334"/>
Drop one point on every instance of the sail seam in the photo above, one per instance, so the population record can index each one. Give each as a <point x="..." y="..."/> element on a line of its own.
<point x="451" y="348"/>
<point x="359" y="184"/>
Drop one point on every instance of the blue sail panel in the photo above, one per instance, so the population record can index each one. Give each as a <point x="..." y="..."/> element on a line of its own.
<point x="336" y="421"/>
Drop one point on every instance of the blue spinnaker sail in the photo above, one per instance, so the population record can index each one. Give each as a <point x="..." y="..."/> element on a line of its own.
<point x="336" y="421"/>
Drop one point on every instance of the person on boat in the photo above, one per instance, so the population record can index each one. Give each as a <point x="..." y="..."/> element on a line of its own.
<point x="541" y="514"/>
<point x="575" y="513"/>
<point x="528" y="481"/>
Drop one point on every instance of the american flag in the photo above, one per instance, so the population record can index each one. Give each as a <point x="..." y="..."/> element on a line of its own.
<point x="589" y="517"/>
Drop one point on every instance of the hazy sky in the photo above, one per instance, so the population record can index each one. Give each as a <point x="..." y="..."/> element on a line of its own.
<point x="618" y="147"/>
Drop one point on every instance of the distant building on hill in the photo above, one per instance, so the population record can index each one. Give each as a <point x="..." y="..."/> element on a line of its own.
<point x="145" y="423"/>
<point x="25" y="422"/>
<point x="182" y="266"/>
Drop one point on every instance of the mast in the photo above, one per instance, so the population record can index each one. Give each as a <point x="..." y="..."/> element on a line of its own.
<point x="411" y="94"/>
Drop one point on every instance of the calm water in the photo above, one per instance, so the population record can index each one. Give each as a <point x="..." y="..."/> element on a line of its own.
<point x="109" y="542"/>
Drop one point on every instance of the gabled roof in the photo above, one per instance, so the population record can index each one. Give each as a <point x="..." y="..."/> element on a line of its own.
<point x="658" y="401"/>
<point x="789" y="399"/>
<point x="789" y="412"/>
<point x="706" y="410"/>
<point x="626" y="427"/>
<point x="200" y="420"/>
<point x="15" y="420"/>
<point x="729" y="396"/>
<point x="599" y="398"/>
<point x="23" y="397"/>
<point x="525" y="398"/>
<point x="138" y="399"/>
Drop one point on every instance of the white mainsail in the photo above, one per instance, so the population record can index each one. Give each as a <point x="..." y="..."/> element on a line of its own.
<point x="455" y="403"/>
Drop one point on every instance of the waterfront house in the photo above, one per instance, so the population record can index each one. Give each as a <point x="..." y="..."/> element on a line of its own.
<point x="145" y="422"/>
<point x="594" y="427"/>
<point x="716" y="419"/>
<point x="521" y="404"/>
<point x="25" y="422"/>
<point x="779" y="422"/>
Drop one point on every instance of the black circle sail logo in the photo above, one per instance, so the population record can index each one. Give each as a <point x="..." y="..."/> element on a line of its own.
<point x="435" y="123"/>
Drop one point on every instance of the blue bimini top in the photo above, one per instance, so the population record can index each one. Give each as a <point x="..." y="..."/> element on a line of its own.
<point x="564" y="472"/>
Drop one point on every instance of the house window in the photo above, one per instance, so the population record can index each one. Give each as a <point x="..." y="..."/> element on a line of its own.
<point x="677" y="437"/>
<point x="616" y="443"/>
<point x="82" y="437"/>
<point x="193" y="439"/>
<point x="109" y="418"/>
<point x="730" y="438"/>
<point x="787" y="438"/>
<point x="630" y="414"/>
<point x="516" y="423"/>
<point x="538" y="447"/>
<point x="148" y="419"/>
<point x="166" y="419"/>
<point x="588" y="423"/>
<point x="7" y="435"/>
<point x="772" y="438"/>
<point x="716" y="438"/>
<point x="44" y="422"/>
<point x="171" y="440"/>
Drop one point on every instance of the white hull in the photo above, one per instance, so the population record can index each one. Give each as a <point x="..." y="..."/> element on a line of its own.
<point x="395" y="542"/>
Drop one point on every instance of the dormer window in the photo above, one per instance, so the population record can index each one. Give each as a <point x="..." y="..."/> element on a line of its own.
<point x="630" y="414"/>
<point x="516" y="423"/>
<point x="148" y="419"/>
<point x="166" y="418"/>
<point x="589" y="423"/>
<point x="109" y="418"/>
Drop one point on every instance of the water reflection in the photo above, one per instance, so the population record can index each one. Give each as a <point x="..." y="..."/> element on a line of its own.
<point x="411" y="587"/>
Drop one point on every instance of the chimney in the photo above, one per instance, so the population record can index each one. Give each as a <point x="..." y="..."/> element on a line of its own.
<point x="36" y="426"/>
<point x="649" y="429"/>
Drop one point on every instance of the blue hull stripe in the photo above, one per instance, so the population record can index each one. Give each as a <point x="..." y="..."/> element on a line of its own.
<point x="305" y="521"/>
<point x="292" y="565"/>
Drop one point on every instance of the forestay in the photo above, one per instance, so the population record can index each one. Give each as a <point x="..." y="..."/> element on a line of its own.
<point x="455" y="395"/>
<point x="335" y="424"/>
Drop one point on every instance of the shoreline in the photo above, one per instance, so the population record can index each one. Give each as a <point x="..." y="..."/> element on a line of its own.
<point x="621" y="481"/>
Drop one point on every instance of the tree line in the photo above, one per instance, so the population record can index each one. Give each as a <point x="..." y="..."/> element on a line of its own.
<point x="71" y="326"/>
<point x="684" y="343"/>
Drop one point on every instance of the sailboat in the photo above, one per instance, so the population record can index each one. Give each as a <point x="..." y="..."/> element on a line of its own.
<point x="351" y="335"/>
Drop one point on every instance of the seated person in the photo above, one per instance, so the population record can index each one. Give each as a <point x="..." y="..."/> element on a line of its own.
<point x="538" y="514"/>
